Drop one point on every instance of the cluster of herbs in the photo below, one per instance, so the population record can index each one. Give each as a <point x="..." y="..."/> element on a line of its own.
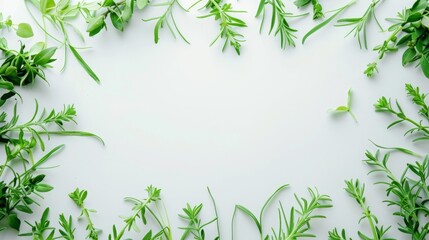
<point x="62" y="14"/>
<point x="292" y="225"/>
<point x="21" y="186"/>
<point x="21" y="183"/>
<point x="408" y="192"/>
<point x="409" y="29"/>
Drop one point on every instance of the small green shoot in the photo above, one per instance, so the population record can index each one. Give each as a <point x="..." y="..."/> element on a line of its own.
<point x="347" y="108"/>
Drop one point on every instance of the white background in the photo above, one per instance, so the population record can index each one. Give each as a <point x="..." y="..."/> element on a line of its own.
<point x="184" y="117"/>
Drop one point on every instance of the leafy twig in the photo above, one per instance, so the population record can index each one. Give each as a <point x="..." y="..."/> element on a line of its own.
<point x="228" y="24"/>
<point x="347" y="108"/>
<point x="324" y="23"/>
<point x="78" y="197"/>
<point x="278" y="21"/>
<point x="359" y="24"/>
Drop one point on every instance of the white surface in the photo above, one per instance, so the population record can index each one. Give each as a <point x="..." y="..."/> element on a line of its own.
<point x="183" y="117"/>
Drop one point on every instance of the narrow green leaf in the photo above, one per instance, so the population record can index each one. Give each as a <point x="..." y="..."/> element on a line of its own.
<point x="324" y="23"/>
<point x="84" y="64"/>
<point x="251" y="215"/>
<point x="424" y="63"/>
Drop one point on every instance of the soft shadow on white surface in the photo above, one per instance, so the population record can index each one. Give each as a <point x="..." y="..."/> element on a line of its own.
<point x="183" y="117"/>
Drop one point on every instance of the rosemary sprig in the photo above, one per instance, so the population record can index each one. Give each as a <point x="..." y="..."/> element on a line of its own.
<point x="67" y="230"/>
<point x="298" y="223"/>
<point x="360" y="24"/>
<point x="278" y="21"/>
<point x="407" y="193"/>
<point x="317" y="7"/>
<point x="327" y="21"/>
<point x="357" y="191"/>
<point x="140" y="208"/>
<point x="195" y="226"/>
<point x="385" y="105"/>
<point x="167" y="19"/>
<point x="222" y="12"/>
<point x="78" y="197"/>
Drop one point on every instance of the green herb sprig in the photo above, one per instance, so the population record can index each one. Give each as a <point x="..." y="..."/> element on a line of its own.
<point x="317" y="7"/>
<point x="78" y="196"/>
<point x="195" y="225"/>
<point x="279" y="22"/>
<point x="347" y="108"/>
<point x="298" y="223"/>
<point x="335" y="13"/>
<point x="229" y="24"/>
<point x="59" y="14"/>
<point x="357" y="191"/>
<point x="140" y="209"/>
<point x="23" y="30"/>
<point x="418" y="127"/>
<point x="22" y="67"/>
<point x="359" y="24"/>
<point x="294" y="225"/>
<point x="167" y="19"/>
<point x="410" y="30"/>
<point x="258" y="221"/>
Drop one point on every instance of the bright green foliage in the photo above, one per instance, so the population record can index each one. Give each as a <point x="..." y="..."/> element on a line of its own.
<point x="359" y="24"/>
<point x="166" y="19"/>
<point x="22" y="67"/>
<point x="410" y="192"/>
<point x="140" y="209"/>
<point x="327" y="21"/>
<point x="78" y="197"/>
<point x="60" y="14"/>
<point x="195" y="226"/>
<point x="229" y="24"/>
<point x="23" y="30"/>
<point x="279" y="22"/>
<point x="335" y="235"/>
<point x="67" y="230"/>
<point x="294" y="225"/>
<point x="257" y="221"/>
<point x="41" y="230"/>
<point x="418" y="127"/>
<point x="317" y="7"/>
<point x="410" y="30"/>
<point x="297" y="224"/>
<point x="18" y="191"/>
<point x="357" y="191"/>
